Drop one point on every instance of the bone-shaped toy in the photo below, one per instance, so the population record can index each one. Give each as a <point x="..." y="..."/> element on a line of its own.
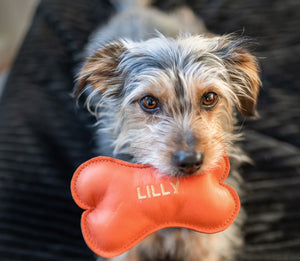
<point x="126" y="202"/>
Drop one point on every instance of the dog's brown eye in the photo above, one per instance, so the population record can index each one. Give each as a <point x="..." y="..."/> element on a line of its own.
<point x="209" y="100"/>
<point x="149" y="103"/>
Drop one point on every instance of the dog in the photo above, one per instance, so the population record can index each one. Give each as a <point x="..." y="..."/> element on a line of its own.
<point x="166" y="92"/>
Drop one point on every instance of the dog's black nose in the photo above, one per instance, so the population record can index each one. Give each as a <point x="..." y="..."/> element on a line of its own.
<point x="187" y="162"/>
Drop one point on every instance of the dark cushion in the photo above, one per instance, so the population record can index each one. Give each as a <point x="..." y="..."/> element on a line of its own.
<point x="44" y="136"/>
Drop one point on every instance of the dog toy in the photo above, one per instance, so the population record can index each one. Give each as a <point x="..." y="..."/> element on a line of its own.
<point x="125" y="202"/>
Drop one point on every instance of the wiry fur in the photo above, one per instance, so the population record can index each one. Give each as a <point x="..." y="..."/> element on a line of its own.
<point x="178" y="72"/>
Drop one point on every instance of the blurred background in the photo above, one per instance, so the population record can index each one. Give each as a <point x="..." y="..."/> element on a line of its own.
<point x="15" y="18"/>
<point x="44" y="136"/>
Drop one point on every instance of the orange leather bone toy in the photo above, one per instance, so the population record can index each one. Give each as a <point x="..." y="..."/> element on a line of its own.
<point x="126" y="202"/>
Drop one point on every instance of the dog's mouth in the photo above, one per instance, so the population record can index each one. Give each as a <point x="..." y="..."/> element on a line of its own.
<point x="190" y="171"/>
<point x="182" y="163"/>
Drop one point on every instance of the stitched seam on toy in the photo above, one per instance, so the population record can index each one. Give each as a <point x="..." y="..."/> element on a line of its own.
<point x="148" y="230"/>
<point x="117" y="162"/>
<point x="231" y="191"/>
<point x="95" y="162"/>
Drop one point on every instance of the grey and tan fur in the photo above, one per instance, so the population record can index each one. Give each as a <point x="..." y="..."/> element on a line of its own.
<point x="170" y="58"/>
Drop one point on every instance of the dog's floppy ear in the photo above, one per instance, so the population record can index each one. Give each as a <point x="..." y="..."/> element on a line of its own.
<point x="101" y="69"/>
<point x="244" y="76"/>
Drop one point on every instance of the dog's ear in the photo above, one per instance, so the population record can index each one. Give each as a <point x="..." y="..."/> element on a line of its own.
<point x="101" y="69"/>
<point x="243" y="71"/>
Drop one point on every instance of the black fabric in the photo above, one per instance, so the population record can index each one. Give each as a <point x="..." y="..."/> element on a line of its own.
<point x="44" y="136"/>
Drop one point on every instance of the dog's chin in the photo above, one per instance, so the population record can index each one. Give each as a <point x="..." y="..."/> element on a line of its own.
<point x="162" y="168"/>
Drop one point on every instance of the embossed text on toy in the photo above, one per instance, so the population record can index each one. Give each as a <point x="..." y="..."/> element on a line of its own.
<point x="158" y="190"/>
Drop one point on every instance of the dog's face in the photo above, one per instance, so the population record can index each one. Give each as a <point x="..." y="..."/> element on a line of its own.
<point x="170" y="103"/>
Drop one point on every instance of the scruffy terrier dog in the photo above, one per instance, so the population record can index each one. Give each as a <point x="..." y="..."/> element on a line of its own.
<point x="165" y="93"/>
